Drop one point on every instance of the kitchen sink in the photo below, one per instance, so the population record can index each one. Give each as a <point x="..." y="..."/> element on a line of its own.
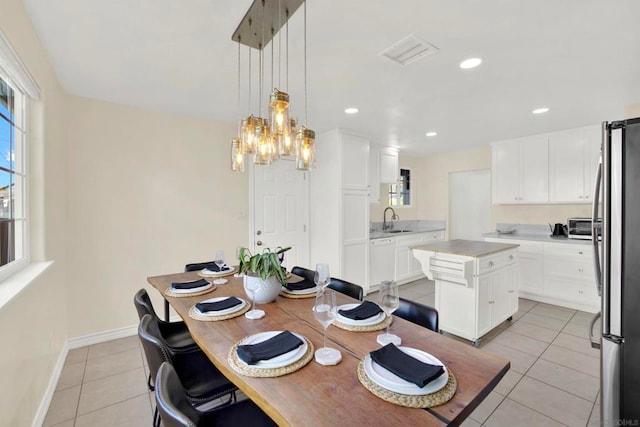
<point x="398" y="231"/>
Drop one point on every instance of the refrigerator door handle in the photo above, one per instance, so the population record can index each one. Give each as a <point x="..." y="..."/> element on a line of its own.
<point x="597" y="229"/>
<point x="595" y="343"/>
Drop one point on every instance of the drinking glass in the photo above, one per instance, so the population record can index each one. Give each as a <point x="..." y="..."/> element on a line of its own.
<point x="325" y="311"/>
<point x="219" y="260"/>
<point x="322" y="278"/>
<point x="389" y="301"/>
<point x="252" y="286"/>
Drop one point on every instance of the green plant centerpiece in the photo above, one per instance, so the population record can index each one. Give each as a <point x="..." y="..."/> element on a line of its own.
<point x="264" y="265"/>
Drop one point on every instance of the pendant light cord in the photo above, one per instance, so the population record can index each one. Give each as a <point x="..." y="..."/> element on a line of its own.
<point x="239" y="115"/>
<point x="305" y="64"/>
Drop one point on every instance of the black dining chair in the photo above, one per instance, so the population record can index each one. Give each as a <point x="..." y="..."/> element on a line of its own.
<point x="176" y="410"/>
<point x="347" y="288"/>
<point x="175" y="334"/>
<point x="201" y="379"/>
<point x="417" y="313"/>
<point x="303" y="272"/>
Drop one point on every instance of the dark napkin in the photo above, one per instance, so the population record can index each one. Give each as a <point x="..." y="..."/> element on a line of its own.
<point x="218" y="305"/>
<point x="406" y="367"/>
<point x="299" y="286"/>
<point x="214" y="267"/>
<point x="364" y="311"/>
<point x="282" y="343"/>
<point x="189" y="285"/>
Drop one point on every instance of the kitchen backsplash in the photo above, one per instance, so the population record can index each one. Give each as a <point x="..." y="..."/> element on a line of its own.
<point x="412" y="224"/>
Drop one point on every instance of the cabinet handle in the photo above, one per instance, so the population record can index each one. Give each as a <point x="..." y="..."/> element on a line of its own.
<point x="579" y="197"/>
<point x="490" y="263"/>
<point x="580" y="252"/>
<point x="511" y="291"/>
<point x="580" y="292"/>
<point x="491" y="302"/>
<point x="580" y="270"/>
<point x="510" y="256"/>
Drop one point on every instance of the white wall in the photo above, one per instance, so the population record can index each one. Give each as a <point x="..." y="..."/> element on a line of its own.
<point x="33" y="325"/>
<point x="148" y="192"/>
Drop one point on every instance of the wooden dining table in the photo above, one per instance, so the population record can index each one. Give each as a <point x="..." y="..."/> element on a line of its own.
<point x="319" y="395"/>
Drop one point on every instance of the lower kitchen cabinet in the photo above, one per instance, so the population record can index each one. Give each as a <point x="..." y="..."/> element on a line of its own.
<point x="474" y="294"/>
<point x="407" y="266"/>
<point x="557" y="273"/>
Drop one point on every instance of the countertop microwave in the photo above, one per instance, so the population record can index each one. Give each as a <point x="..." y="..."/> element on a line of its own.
<point x="580" y="228"/>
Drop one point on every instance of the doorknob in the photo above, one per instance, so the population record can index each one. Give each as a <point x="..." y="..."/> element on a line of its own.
<point x="258" y="232"/>
<point x="259" y="243"/>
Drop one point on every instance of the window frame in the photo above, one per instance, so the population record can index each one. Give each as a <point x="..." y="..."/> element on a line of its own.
<point x="16" y="76"/>
<point x="397" y="184"/>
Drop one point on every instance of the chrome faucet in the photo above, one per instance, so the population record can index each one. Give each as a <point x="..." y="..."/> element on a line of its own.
<point x="385" y="225"/>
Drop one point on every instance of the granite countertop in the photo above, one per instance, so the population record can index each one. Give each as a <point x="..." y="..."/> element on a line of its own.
<point x="533" y="233"/>
<point x="472" y="248"/>
<point x="412" y="226"/>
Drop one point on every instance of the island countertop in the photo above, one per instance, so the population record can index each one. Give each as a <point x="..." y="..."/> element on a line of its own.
<point x="472" y="248"/>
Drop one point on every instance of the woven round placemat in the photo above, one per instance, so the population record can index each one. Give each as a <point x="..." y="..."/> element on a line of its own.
<point x="251" y="371"/>
<point x="367" y="328"/>
<point x="195" y="315"/>
<point x="169" y="293"/>
<point x="424" y="401"/>
<point x="201" y="273"/>
<point x="295" y="296"/>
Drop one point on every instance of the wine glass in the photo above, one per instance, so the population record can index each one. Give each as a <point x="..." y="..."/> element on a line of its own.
<point x="219" y="260"/>
<point x="325" y="311"/>
<point x="389" y="301"/>
<point x="322" y="278"/>
<point x="252" y="285"/>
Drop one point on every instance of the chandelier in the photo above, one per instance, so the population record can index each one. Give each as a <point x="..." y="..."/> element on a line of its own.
<point x="270" y="138"/>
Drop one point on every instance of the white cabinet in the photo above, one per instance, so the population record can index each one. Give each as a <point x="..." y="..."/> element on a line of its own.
<point x="556" y="273"/>
<point x="573" y="159"/>
<point x="389" y="169"/>
<point x="520" y="170"/>
<point x="408" y="268"/>
<point x="374" y="175"/>
<point x="339" y="202"/>
<point x="473" y="294"/>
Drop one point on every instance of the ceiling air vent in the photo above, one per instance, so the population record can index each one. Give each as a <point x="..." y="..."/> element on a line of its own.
<point x="408" y="50"/>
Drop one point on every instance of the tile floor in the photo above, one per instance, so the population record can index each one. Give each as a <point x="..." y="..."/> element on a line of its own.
<point x="553" y="381"/>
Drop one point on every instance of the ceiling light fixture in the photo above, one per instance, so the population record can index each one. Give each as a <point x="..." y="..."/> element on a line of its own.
<point x="275" y="137"/>
<point x="430" y="134"/>
<point x="470" y="63"/>
<point x="540" y="110"/>
<point x="351" y="110"/>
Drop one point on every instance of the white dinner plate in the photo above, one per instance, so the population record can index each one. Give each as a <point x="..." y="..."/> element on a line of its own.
<point x="391" y="381"/>
<point x="192" y="291"/>
<point x="225" y="270"/>
<point x="365" y="322"/>
<point x="301" y="291"/>
<point x="285" y="359"/>
<point x="221" y="312"/>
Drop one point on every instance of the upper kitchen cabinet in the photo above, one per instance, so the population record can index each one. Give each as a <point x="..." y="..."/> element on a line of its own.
<point x="355" y="164"/>
<point x="389" y="169"/>
<point x="573" y="159"/>
<point x="520" y="170"/>
<point x="374" y="175"/>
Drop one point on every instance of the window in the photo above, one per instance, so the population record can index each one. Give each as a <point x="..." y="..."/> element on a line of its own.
<point x="400" y="193"/>
<point x="16" y="86"/>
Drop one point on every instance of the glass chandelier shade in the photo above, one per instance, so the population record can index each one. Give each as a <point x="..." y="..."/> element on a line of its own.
<point x="264" y="145"/>
<point x="286" y="141"/>
<point x="248" y="133"/>
<point x="237" y="155"/>
<point x="279" y="113"/>
<point x="305" y="149"/>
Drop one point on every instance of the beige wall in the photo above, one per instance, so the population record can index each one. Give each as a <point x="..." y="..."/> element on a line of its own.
<point x="147" y="193"/>
<point x="432" y="189"/>
<point x="33" y="325"/>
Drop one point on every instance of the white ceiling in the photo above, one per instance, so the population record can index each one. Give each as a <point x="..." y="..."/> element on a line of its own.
<point x="580" y="58"/>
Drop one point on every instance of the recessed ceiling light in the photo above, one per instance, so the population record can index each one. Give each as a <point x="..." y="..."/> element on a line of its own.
<point x="431" y="134"/>
<point x="470" y="63"/>
<point x="351" y="110"/>
<point x="540" y="110"/>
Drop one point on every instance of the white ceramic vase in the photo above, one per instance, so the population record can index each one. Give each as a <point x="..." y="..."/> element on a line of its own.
<point x="267" y="290"/>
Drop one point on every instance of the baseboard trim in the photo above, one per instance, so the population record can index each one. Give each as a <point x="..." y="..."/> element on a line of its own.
<point x="100" y="337"/>
<point x="43" y="408"/>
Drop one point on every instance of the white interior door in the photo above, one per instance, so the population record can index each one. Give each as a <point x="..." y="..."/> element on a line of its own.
<point x="469" y="204"/>
<point x="280" y="208"/>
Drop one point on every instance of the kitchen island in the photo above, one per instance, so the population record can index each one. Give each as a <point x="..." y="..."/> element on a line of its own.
<point x="476" y="284"/>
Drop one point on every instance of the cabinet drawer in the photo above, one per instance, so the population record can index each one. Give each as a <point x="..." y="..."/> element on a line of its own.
<point x="574" y="291"/>
<point x="494" y="262"/>
<point x="411" y="239"/>
<point x="581" y="270"/>
<point x="576" y="252"/>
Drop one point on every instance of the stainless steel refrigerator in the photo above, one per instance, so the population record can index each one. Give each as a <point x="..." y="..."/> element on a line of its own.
<point x="617" y="267"/>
